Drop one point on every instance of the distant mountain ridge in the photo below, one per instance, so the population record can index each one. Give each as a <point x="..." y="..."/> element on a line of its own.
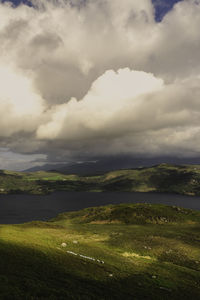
<point x="102" y="166"/>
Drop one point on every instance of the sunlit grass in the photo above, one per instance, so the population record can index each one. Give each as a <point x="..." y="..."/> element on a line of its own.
<point x="141" y="259"/>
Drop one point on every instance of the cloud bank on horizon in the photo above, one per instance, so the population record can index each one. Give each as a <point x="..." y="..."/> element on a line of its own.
<point x="84" y="79"/>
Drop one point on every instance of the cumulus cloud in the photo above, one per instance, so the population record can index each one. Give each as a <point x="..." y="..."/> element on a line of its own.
<point x="129" y="112"/>
<point x="108" y="97"/>
<point x="20" y="105"/>
<point x="67" y="46"/>
<point x="90" y="78"/>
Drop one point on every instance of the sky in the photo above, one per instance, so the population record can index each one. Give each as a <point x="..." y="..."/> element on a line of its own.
<point x="83" y="80"/>
<point x="162" y="7"/>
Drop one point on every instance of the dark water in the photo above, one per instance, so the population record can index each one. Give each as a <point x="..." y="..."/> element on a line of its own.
<point x="22" y="208"/>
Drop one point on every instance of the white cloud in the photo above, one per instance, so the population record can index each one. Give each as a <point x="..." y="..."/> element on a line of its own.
<point x="69" y="85"/>
<point x="20" y="105"/>
<point x="108" y="96"/>
<point x="129" y="112"/>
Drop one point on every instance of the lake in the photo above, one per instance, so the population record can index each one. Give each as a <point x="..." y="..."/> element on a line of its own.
<point x="18" y="208"/>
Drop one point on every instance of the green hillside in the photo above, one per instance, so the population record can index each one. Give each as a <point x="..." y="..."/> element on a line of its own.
<point x="135" y="251"/>
<point x="161" y="178"/>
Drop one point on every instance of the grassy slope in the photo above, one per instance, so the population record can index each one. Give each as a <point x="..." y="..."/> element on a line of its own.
<point x="161" y="178"/>
<point x="150" y="252"/>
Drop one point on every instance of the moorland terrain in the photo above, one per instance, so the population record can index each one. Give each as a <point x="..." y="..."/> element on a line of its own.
<point x="163" y="178"/>
<point x="127" y="251"/>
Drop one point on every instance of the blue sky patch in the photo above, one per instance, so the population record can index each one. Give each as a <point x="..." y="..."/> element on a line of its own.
<point x="161" y="6"/>
<point x="17" y="2"/>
